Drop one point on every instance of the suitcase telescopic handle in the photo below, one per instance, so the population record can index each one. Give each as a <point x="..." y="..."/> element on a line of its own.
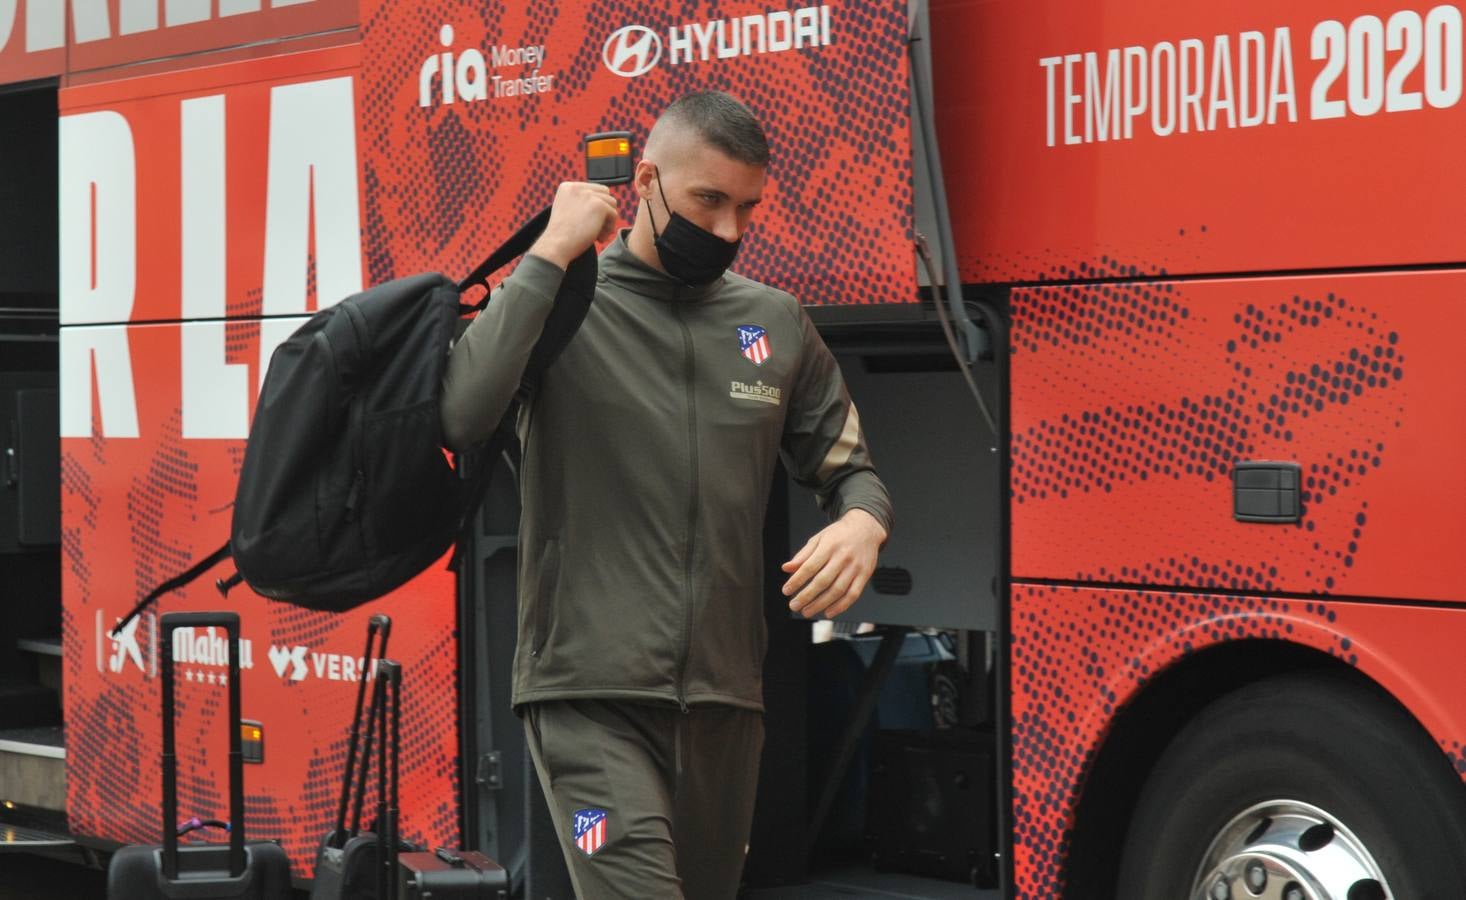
<point x="379" y="628"/>
<point x="389" y="682"/>
<point x="171" y="622"/>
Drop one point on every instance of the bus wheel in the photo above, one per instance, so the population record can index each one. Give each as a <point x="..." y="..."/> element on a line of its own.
<point x="1305" y="786"/>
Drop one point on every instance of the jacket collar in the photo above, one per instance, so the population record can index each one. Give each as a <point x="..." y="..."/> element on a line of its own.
<point x="621" y="266"/>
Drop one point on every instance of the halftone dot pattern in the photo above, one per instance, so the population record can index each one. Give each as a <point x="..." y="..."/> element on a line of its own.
<point x="77" y="487"/>
<point x="159" y="510"/>
<point x="1131" y="403"/>
<point x="1181" y="250"/>
<point x="1080" y="654"/>
<point x="380" y="262"/>
<point x="1456" y="750"/>
<point x="1130" y="392"/>
<point x="445" y="183"/>
<point x="250" y="304"/>
<point x="138" y="510"/>
<point x="239" y="336"/>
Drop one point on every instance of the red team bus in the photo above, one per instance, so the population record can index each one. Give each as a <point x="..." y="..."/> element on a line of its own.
<point x="1169" y="610"/>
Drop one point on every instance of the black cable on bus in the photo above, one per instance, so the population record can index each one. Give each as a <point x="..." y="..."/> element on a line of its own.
<point x="965" y="343"/>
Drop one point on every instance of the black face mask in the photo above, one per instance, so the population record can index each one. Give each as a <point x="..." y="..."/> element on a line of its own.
<point x="692" y="255"/>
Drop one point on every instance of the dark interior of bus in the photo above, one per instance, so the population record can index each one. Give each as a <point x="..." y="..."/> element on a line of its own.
<point x="880" y="767"/>
<point x="30" y="457"/>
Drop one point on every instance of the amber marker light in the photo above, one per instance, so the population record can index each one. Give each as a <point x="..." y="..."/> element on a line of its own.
<point x="608" y="147"/>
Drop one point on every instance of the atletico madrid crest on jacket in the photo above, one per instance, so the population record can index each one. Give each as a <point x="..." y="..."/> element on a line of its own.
<point x="753" y="340"/>
<point x="590" y="830"/>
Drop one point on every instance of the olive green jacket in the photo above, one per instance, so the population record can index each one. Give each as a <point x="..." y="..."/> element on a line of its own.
<point x="648" y="455"/>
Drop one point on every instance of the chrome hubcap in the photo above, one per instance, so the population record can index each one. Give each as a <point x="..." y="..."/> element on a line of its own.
<point x="1288" y="850"/>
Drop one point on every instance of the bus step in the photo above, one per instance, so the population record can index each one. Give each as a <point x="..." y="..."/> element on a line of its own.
<point x="25" y="838"/>
<point x="32" y="769"/>
<point x="43" y="646"/>
<point x="29" y="830"/>
<point x="46" y="653"/>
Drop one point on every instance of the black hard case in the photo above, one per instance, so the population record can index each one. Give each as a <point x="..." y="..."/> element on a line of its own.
<point x="450" y="875"/>
<point x="241" y="870"/>
<point x="931" y="801"/>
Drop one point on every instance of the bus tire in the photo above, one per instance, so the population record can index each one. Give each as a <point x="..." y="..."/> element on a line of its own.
<point x="1310" y="777"/>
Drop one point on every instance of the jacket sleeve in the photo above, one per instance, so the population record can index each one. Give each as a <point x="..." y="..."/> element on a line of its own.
<point x="488" y="360"/>
<point x="823" y="446"/>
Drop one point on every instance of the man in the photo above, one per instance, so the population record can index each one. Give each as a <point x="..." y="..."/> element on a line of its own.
<point x="648" y="454"/>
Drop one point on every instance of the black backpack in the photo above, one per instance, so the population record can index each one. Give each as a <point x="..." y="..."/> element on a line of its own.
<point x="345" y="492"/>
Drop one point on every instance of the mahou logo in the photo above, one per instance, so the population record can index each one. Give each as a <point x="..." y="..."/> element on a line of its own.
<point x="632" y="51"/>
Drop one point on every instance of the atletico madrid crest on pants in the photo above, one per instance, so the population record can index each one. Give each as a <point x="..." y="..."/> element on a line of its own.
<point x="590" y="830"/>
<point x="753" y="342"/>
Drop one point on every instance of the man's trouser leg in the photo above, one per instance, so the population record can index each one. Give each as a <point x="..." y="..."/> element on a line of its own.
<point x="714" y="804"/>
<point x="677" y="790"/>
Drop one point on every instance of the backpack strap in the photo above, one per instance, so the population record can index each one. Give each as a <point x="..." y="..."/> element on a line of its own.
<point x="518" y="243"/>
<point x="175" y="583"/>
<point x="572" y="302"/>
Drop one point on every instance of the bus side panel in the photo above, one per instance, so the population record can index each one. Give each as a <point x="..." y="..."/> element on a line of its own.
<point x="139" y="510"/>
<point x="39" y="39"/>
<point x="1132" y="403"/>
<point x="248" y="171"/>
<point x="1113" y="139"/>
<point x="198" y="201"/>
<point x="1065" y="699"/>
<point x="454" y="163"/>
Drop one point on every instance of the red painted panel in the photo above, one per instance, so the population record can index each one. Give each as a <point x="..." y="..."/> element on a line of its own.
<point x="1366" y="188"/>
<point x="17" y="63"/>
<point x="152" y="109"/>
<point x="49" y="38"/>
<point x="1065" y="698"/>
<point x="1132" y="402"/>
<point x="138" y="510"/>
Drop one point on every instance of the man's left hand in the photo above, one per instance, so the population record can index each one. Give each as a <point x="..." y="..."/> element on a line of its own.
<point x="830" y="571"/>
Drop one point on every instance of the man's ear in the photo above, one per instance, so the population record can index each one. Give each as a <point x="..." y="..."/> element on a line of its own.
<point x="642" y="179"/>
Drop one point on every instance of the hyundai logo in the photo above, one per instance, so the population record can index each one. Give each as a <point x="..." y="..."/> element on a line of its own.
<point x="632" y="51"/>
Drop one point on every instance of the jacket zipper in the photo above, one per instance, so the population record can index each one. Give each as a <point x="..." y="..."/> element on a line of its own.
<point x="677" y="729"/>
<point x="688" y="373"/>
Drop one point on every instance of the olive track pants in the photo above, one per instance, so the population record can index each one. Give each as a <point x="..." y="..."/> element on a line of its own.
<point x="663" y="798"/>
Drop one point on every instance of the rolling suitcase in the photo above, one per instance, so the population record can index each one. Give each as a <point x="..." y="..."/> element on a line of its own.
<point x="346" y="862"/>
<point x="444" y="875"/>
<point x="448" y="874"/>
<point x="240" y="870"/>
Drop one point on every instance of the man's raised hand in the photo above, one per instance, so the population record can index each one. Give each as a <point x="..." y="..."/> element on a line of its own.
<point x="582" y="214"/>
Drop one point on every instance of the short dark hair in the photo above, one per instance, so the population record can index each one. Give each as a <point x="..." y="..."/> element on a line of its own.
<point x="724" y="122"/>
